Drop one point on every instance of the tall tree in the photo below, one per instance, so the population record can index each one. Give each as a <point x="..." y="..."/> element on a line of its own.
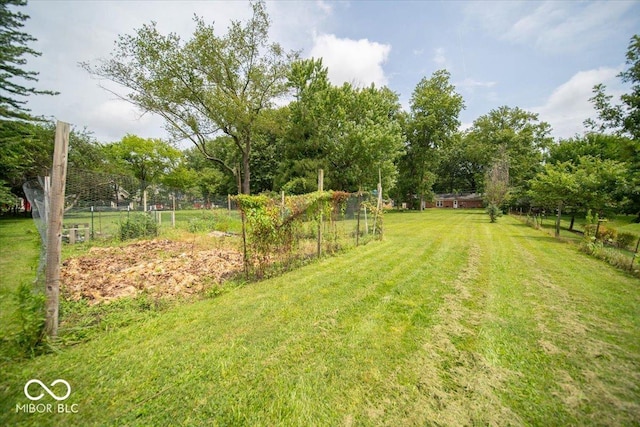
<point x="430" y="127"/>
<point x="14" y="50"/>
<point x="496" y="185"/>
<point x="14" y="46"/>
<point x="586" y="182"/>
<point x="522" y="137"/>
<point x="148" y="160"/>
<point x="367" y="137"/>
<point x="206" y="86"/>
<point x="351" y="133"/>
<point x="26" y="150"/>
<point x="623" y="118"/>
<point x="308" y="128"/>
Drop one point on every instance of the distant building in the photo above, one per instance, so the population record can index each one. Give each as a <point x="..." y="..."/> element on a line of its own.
<point x="456" y="201"/>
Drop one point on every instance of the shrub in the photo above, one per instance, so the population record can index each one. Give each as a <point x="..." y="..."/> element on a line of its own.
<point x="494" y="212"/>
<point x="626" y="240"/>
<point x="610" y="255"/>
<point x="138" y="226"/>
<point x="607" y="235"/>
<point x="591" y="222"/>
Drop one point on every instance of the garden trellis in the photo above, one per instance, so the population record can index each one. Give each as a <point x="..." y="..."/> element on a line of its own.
<point x="281" y="230"/>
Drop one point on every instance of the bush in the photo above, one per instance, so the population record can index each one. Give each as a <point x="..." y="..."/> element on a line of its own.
<point x="607" y="235"/>
<point x="494" y="212"/>
<point x="626" y="240"/>
<point x="138" y="226"/>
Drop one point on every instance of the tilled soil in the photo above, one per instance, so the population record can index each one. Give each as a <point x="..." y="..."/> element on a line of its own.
<point x="157" y="267"/>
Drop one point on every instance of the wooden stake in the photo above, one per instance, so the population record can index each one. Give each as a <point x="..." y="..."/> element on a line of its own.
<point x="144" y="200"/>
<point x="173" y="211"/>
<point x="54" y="229"/>
<point x="320" y="190"/>
<point x="635" y="254"/>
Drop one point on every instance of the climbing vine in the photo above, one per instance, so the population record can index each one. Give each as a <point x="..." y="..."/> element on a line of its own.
<point x="273" y="229"/>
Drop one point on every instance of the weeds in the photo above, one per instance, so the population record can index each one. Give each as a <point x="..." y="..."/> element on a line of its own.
<point x="611" y="255"/>
<point x="138" y="226"/>
<point x="28" y="338"/>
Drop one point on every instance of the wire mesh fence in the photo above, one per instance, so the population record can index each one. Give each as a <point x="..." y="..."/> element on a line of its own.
<point x="101" y="206"/>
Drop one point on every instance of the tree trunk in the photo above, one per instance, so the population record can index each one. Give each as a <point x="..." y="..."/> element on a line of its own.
<point x="246" y="178"/>
<point x="239" y="178"/>
<point x="246" y="155"/>
<point x="573" y="219"/>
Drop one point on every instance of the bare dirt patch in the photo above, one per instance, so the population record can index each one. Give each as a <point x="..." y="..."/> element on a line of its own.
<point x="158" y="267"/>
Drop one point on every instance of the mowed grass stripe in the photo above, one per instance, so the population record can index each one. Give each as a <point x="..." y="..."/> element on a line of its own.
<point x="446" y="321"/>
<point x="548" y="321"/>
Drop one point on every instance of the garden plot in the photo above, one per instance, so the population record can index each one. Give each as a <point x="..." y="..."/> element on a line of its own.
<point x="157" y="267"/>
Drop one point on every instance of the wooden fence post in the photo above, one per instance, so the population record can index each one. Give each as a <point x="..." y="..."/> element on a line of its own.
<point x="54" y="228"/>
<point x="320" y="190"/>
<point x="635" y="254"/>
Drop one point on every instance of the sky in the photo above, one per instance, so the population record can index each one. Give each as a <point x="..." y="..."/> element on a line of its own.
<point x="544" y="56"/>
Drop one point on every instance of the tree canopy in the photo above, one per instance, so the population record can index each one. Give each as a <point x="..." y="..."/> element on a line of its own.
<point x="430" y="129"/>
<point x="206" y="86"/>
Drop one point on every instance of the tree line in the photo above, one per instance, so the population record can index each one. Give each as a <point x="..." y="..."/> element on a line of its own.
<point x="262" y="119"/>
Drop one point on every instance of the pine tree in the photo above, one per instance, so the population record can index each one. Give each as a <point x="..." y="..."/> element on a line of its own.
<point x="13" y="49"/>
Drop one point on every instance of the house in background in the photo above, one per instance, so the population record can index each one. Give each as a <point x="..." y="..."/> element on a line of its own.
<point x="456" y="201"/>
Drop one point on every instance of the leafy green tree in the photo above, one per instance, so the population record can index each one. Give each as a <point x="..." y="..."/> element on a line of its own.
<point x="555" y="186"/>
<point x="148" y="160"/>
<point x="584" y="183"/>
<point x="623" y="118"/>
<point x="351" y="133"/>
<point x="367" y="138"/>
<point x="308" y="128"/>
<point x="205" y="86"/>
<point x="460" y="167"/>
<point x="616" y="148"/>
<point x="26" y="150"/>
<point x="208" y="180"/>
<point x="430" y="128"/>
<point x="520" y="134"/>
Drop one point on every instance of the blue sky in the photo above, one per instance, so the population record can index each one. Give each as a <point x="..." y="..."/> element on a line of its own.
<point x="543" y="57"/>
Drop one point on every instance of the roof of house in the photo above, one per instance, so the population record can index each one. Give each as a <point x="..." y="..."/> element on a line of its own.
<point x="453" y="196"/>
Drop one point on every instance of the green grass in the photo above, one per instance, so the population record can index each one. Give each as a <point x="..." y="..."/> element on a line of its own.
<point x="450" y="320"/>
<point x="19" y="251"/>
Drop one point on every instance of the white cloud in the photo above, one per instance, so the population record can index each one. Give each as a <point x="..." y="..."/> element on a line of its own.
<point x="324" y="7"/>
<point x="353" y="61"/>
<point x="471" y="84"/>
<point x="440" y="59"/>
<point x="568" y="105"/>
<point x="552" y="25"/>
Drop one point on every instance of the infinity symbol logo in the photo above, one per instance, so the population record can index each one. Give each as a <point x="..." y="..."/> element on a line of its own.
<point x="52" y="394"/>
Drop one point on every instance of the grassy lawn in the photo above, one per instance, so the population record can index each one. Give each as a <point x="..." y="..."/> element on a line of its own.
<point x="450" y="320"/>
<point x="19" y="251"/>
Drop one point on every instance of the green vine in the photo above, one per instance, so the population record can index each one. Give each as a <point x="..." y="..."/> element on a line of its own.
<point x="274" y="229"/>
